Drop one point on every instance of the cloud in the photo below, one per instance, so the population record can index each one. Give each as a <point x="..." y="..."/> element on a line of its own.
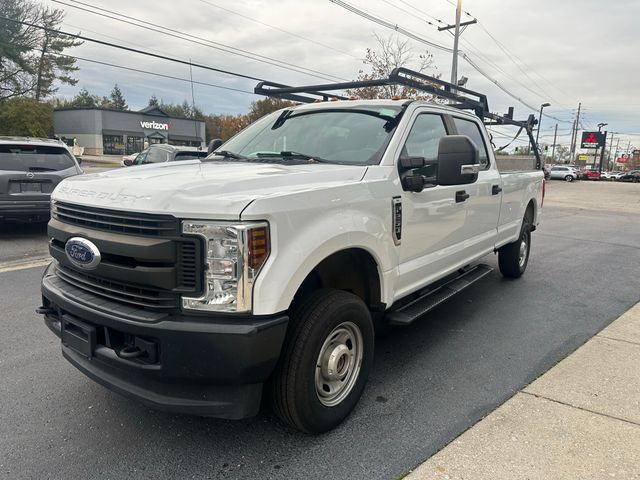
<point x="567" y="52"/>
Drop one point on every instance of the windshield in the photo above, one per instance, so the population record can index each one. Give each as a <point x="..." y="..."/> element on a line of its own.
<point x="189" y="155"/>
<point x="30" y="158"/>
<point x="341" y="135"/>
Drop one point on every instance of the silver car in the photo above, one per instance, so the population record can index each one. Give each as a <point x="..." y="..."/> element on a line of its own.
<point x="568" y="174"/>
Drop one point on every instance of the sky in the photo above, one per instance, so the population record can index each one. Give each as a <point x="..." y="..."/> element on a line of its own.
<point x="561" y="52"/>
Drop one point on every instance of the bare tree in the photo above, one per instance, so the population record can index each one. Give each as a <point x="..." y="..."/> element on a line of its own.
<point x="392" y="53"/>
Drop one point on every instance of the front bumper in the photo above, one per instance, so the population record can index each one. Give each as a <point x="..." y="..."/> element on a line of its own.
<point x="210" y="365"/>
<point x="24" y="208"/>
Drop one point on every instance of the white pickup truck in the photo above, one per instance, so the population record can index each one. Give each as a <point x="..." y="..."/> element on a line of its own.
<point x="262" y="270"/>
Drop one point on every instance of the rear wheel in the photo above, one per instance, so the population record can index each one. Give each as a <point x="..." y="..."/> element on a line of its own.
<point x="568" y="178"/>
<point x="514" y="257"/>
<point x="325" y="361"/>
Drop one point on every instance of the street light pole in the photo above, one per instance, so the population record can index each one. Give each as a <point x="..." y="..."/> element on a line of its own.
<point x="553" y="151"/>
<point x="540" y="120"/>
<point x="595" y="157"/>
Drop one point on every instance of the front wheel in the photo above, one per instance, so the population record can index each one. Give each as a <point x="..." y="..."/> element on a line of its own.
<point x="325" y="361"/>
<point x="514" y="257"/>
<point x="568" y="178"/>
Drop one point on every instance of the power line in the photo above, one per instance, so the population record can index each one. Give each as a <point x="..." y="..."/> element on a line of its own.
<point x="134" y="50"/>
<point x="371" y="17"/>
<point x="197" y="40"/>
<point x="147" y="72"/>
<point x="260" y="22"/>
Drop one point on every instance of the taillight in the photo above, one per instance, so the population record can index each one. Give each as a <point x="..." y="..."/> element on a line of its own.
<point x="544" y="185"/>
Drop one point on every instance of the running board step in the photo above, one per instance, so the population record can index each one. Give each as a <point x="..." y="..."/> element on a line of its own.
<point x="411" y="311"/>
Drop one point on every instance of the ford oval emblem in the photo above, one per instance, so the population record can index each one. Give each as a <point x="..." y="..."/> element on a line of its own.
<point x="82" y="253"/>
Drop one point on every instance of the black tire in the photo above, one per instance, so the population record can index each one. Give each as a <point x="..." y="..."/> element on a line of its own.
<point x="294" y="394"/>
<point x="568" y="178"/>
<point x="511" y="264"/>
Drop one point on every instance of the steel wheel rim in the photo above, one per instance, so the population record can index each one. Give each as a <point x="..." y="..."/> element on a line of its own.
<point x="338" y="364"/>
<point x="524" y="246"/>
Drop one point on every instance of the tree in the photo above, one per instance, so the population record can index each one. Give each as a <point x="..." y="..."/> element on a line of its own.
<point x="117" y="99"/>
<point x="25" y="116"/>
<point x="153" y="101"/>
<point x="17" y="41"/>
<point x="84" y="99"/>
<point x="53" y="65"/>
<point x="392" y="53"/>
<point x="260" y="108"/>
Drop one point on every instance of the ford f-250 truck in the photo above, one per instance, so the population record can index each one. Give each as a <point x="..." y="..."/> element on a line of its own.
<point x="260" y="271"/>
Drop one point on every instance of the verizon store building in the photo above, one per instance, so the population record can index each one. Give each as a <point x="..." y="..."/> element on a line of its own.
<point x="102" y="131"/>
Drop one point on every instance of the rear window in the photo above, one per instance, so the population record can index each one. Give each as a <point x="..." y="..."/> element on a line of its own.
<point x="189" y="155"/>
<point x="31" y="158"/>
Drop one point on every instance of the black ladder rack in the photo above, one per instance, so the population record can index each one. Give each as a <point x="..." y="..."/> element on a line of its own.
<point x="462" y="98"/>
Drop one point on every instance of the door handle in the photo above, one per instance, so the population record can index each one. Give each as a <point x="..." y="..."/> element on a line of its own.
<point x="496" y="189"/>
<point x="461" y="196"/>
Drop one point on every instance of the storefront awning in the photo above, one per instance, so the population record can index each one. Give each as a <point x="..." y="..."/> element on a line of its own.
<point x="122" y="132"/>
<point x="186" y="138"/>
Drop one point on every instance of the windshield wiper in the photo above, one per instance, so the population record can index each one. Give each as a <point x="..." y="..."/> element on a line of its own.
<point x="228" y="154"/>
<point x="295" y="155"/>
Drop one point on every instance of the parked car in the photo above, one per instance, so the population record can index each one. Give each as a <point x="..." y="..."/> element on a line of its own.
<point x="163" y="152"/>
<point x="591" y="174"/>
<point x="30" y="168"/>
<point x="129" y="160"/>
<point x="566" y="173"/>
<point x="632" y="176"/>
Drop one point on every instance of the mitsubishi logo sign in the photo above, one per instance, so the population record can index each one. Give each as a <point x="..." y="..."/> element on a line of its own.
<point x="156" y="125"/>
<point x="593" y="139"/>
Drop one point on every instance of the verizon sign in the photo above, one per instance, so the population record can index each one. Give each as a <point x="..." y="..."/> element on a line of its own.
<point x="156" y="125"/>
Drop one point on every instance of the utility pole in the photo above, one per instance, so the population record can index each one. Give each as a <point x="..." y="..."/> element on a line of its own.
<point x="613" y="134"/>
<point x="553" y="149"/>
<point x="459" y="29"/>
<point x="574" y="143"/>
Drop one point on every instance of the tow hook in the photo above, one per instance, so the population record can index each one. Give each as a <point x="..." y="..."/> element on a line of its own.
<point x="45" y="311"/>
<point x="130" y="352"/>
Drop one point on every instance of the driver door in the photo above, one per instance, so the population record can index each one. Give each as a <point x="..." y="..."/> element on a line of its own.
<point x="433" y="222"/>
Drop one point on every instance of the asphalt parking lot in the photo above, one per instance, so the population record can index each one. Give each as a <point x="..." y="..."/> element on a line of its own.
<point x="430" y="382"/>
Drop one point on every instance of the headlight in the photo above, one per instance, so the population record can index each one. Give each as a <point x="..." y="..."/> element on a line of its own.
<point x="234" y="254"/>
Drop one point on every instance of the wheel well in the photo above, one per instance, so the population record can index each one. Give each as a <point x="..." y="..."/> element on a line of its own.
<point x="353" y="270"/>
<point x="530" y="212"/>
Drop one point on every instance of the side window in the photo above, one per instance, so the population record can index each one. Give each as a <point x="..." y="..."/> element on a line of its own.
<point x="472" y="130"/>
<point x="423" y="141"/>
<point x="141" y="156"/>
<point x="156" y="155"/>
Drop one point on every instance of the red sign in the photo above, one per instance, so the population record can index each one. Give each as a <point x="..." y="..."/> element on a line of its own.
<point x="622" y="160"/>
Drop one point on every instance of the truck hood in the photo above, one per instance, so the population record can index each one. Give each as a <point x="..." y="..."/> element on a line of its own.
<point x="195" y="189"/>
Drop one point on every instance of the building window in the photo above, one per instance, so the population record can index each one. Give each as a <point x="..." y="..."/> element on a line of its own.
<point x="153" y="140"/>
<point x="113" y="144"/>
<point x="134" y="144"/>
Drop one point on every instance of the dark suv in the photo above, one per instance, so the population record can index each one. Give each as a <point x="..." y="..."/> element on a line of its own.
<point x="162" y="152"/>
<point x="30" y="168"/>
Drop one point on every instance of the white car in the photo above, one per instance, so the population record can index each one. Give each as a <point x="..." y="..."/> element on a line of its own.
<point x="611" y="175"/>
<point x="265" y="264"/>
<point x="566" y="173"/>
<point x="129" y="159"/>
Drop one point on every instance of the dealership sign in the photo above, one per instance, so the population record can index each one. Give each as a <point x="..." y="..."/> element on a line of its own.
<point x="156" y="125"/>
<point x="593" y="139"/>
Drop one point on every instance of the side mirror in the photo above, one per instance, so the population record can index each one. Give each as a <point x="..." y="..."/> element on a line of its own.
<point x="79" y="160"/>
<point x="213" y="145"/>
<point x="127" y="163"/>
<point x="457" y="160"/>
